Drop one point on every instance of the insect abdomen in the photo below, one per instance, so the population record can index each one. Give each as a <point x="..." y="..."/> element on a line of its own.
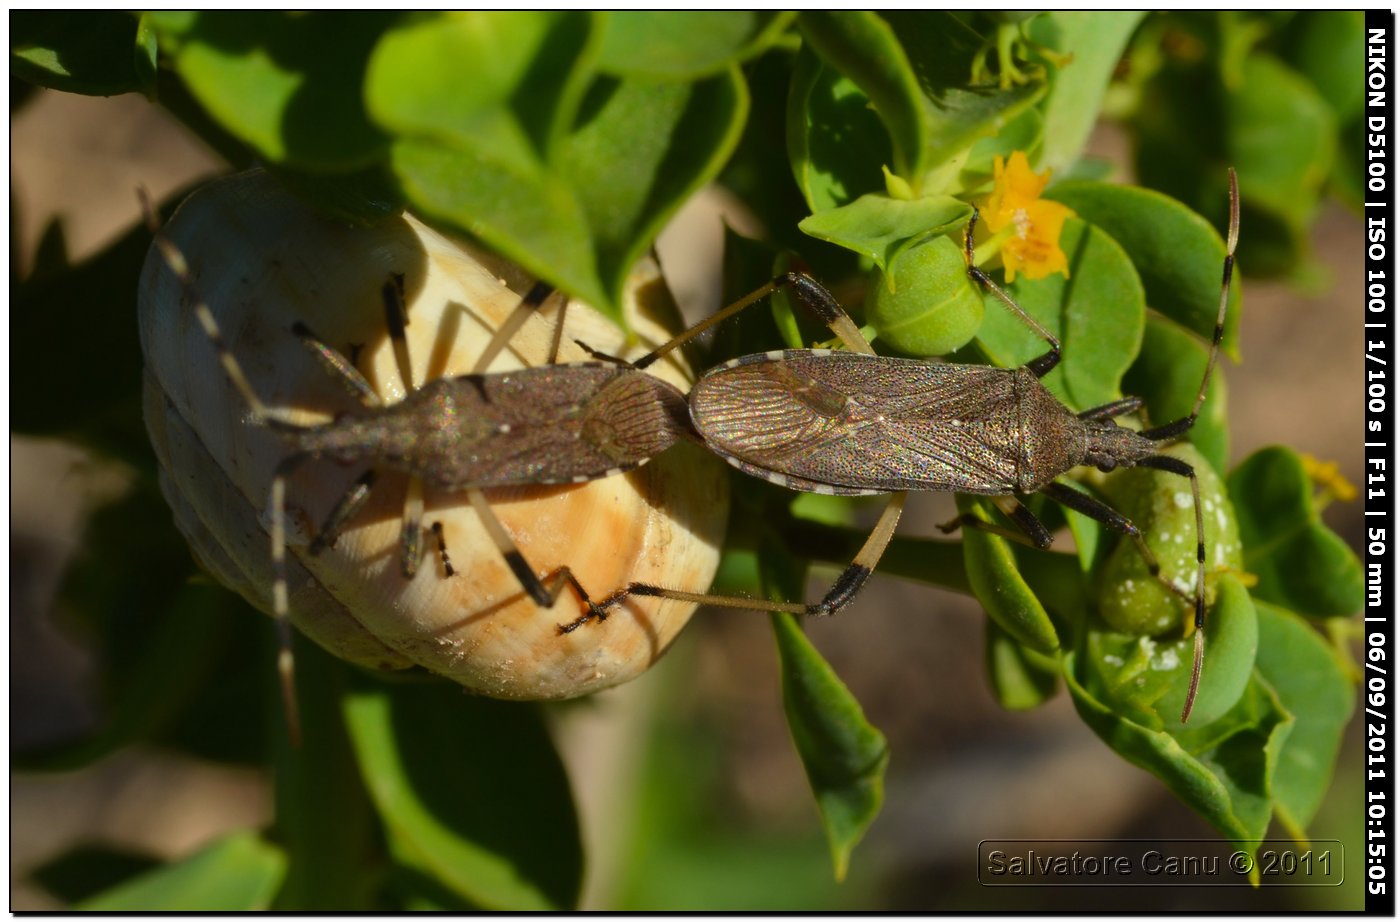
<point x="549" y="424"/>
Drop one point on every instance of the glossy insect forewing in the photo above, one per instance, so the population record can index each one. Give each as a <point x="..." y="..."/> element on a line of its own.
<point x="845" y="423"/>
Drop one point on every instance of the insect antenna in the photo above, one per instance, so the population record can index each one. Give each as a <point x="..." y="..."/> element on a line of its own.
<point x="175" y="261"/>
<point x="1182" y="426"/>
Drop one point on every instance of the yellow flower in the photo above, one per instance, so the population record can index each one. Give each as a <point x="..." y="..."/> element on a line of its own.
<point x="1032" y="243"/>
<point x="1328" y="476"/>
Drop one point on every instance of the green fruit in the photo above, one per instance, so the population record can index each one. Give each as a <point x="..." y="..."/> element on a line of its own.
<point x="926" y="304"/>
<point x="1130" y="599"/>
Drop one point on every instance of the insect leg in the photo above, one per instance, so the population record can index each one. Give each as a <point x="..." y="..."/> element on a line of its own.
<point x="442" y="549"/>
<point x="532" y="584"/>
<point x="1032" y="533"/>
<point x="175" y="261"/>
<point x="411" y="534"/>
<point x="350" y="503"/>
<point x="1085" y="504"/>
<point x="1039" y="366"/>
<point x="1182" y="426"/>
<point x="808" y="292"/>
<point x="837" y="597"/>
<point x="277" y="502"/>
<point x="1113" y="410"/>
<point x="338" y="365"/>
<point x="533" y="300"/>
<point x="396" y="318"/>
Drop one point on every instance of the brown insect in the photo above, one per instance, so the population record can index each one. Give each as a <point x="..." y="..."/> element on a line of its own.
<point x="859" y="423"/>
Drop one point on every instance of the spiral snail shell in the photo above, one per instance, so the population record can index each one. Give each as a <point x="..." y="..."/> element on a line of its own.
<point x="264" y="261"/>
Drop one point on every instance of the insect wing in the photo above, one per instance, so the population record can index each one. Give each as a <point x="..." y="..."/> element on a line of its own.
<point x="841" y="422"/>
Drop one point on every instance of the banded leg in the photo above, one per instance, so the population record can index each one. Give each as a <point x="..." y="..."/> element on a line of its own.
<point x="1105" y="514"/>
<point x="1032" y="534"/>
<point x="396" y="321"/>
<point x="411" y="533"/>
<point x="808" y="292"/>
<point x="339" y="367"/>
<point x="350" y="503"/>
<point x="847" y="585"/>
<point x="442" y="550"/>
<point x="544" y="595"/>
<point x="531" y="303"/>
<point x="281" y="614"/>
<point x="263" y="415"/>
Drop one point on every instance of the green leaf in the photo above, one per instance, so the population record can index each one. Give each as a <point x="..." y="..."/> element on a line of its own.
<point x="845" y="757"/>
<point x="1095" y="39"/>
<point x="93" y="52"/>
<point x="836" y="142"/>
<point x="325" y="819"/>
<point x="1324" y="46"/>
<point x="86" y="870"/>
<point x="1282" y="141"/>
<point x="760" y="173"/>
<point x="1301" y="564"/>
<point x="926" y="305"/>
<point x="1177" y="253"/>
<point x="685" y="45"/>
<point x="522" y="213"/>
<point x="1147" y="680"/>
<point x="916" y="69"/>
<point x="1224" y="775"/>
<point x="863" y="47"/>
<point x="1167" y="374"/>
<point x="507" y="85"/>
<point x="570" y="176"/>
<point x="365" y="197"/>
<point x="999" y="586"/>
<point x="286" y="84"/>
<point x="1197" y="115"/>
<point x="881" y="227"/>
<point x="472" y="789"/>
<point x="641" y="148"/>
<point x="1021" y="678"/>
<point x="147" y="54"/>
<point x="1314" y="687"/>
<point x="238" y="873"/>
<point x="1026" y="133"/>
<point x="1098" y="313"/>
<point x="944" y="53"/>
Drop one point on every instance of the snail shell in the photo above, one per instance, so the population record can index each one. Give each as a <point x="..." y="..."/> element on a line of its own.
<point x="262" y="261"/>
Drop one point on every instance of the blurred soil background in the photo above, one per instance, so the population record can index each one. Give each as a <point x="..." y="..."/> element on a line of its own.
<point x="962" y="770"/>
